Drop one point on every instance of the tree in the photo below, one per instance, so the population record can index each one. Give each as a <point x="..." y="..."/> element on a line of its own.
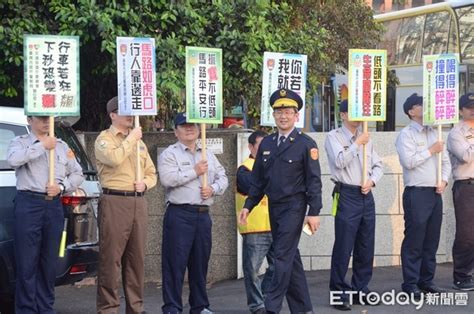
<point x="243" y="29"/>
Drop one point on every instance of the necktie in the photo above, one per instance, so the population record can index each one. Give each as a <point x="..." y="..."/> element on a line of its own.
<point x="281" y="140"/>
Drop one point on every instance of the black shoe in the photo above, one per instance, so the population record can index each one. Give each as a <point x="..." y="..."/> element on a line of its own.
<point x="432" y="288"/>
<point x="345" y="306"/>
<point x="465" y="285"/>
<point x="260" y="311"/>
<point x="415" y="292"/>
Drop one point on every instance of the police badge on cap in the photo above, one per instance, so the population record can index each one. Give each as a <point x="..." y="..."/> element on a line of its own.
<point x="285" y="98"/>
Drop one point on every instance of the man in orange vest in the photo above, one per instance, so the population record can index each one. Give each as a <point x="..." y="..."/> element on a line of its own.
<point x="257" y="237"/>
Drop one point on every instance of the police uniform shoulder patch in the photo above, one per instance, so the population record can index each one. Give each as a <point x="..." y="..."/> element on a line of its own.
<point x="102" y="144"/>
<point x="314" y="153"/>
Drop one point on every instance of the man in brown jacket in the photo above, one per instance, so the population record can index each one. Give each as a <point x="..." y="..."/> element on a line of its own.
<point x="122" y="212"/>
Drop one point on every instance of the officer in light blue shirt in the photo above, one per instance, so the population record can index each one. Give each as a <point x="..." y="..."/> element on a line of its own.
<point x="417" y="148"/>
<point x="39" y="216"/>
<point x="461" y="151"/>
<point x="187" y="224"/>
<point x="355" y="217"/>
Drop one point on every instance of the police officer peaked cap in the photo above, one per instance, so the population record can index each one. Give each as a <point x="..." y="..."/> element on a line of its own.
<point x="412" y="101"/>
<point x="112" y="105"/>
<point x="466" y="100"/>
<point x="285" y="98"/>
<point x="180" y="119"/>
<point x="343" y="107"/>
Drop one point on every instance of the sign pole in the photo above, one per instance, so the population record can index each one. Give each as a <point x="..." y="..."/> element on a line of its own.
<point x="51" y="152"/>
<point x="139" y="170"/>
<point x="203" y="152"/>
<point x="440" y="154"/>
<point x="364" y="155"/>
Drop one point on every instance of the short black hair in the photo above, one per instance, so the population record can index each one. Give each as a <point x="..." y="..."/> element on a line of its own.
<point x="256" y="134"/>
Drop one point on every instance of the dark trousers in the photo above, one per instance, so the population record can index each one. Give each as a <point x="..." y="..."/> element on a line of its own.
<point x="187" y="241"/>
<point x="463" y="248"/>
<point x="38" y="228"/>
<point x="354" y="233"/>
<point x="122" y="236"/>
<point x="288" y="279"/>
<point x="423" y="214"/>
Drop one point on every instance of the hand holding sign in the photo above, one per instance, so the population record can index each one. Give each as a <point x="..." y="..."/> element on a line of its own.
<point x="49" y="142"/>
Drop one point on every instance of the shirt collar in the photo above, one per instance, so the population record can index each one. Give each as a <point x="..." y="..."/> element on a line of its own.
<point x="416" y="126"/>
<point x="33" y="138"/>
<point x="116" y="131"/>
<point x="186" y="148"/>
<point x="348" y="134"/>
<point x="465" y="127"/>
<point x="286" y="134"/>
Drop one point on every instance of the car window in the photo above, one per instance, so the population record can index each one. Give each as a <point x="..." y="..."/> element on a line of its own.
<point x="67" y="134"/>
<point x="7" y="133"/>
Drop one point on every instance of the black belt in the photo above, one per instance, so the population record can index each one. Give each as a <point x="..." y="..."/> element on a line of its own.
<point x="414" y="187"/>
<point x="198" y="208"/>
<point x="350" y="186"/>
<point x="122" y="193"/>
<point x="40" y="195"/>
<point x="465" y="181"/>
<point x="338" y="185"/>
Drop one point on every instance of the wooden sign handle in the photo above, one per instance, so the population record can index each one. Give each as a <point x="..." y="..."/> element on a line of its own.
<point x="51" y="152"/>
<point x="440" y="155"/>
<point x="364" y="155"/>
<point x="203" y="151"/>
<point x="138" y="174"/>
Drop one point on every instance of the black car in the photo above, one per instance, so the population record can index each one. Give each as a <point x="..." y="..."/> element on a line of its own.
<point x="80" y="209"/>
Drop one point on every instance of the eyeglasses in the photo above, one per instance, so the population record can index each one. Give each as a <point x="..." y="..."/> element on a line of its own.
<point x="287" y="113"/>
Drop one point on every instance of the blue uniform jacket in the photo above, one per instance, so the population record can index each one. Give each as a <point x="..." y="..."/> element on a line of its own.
<point x="287" y="172"/>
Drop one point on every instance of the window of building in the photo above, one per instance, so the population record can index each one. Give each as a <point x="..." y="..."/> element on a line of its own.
<point x="436" y="33"/>
<point x="409" y="45"/>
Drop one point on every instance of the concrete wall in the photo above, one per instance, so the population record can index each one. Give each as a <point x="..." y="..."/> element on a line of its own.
<point x="315" y="250"/>
<point x="223" y="262"/>
<point x="389" y="229"/>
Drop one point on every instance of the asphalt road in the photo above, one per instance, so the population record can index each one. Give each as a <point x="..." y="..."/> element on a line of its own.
<point x="229" y="296"/>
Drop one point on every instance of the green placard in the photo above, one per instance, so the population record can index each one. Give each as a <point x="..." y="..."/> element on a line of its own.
<point x="204" y="85"/>
<point x="367" y="84"/>
<point x="440" y="89"/>
<point x="51" y="75"/>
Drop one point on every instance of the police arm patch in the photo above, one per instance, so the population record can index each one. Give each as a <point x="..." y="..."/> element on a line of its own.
<point x="314" y="153"/>
<point x="103" y="144"/>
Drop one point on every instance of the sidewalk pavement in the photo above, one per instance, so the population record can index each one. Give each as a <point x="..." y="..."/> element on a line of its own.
<point x="229" y="296"/>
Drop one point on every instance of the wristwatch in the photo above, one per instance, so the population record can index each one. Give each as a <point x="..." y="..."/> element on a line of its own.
<point x="62" y="188"/>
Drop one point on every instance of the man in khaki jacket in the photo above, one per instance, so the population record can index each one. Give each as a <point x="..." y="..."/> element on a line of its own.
<point x="122" y="212"/>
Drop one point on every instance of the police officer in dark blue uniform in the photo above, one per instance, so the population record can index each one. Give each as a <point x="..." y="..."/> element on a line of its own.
<point x="39" y="212"/>
<point x="354" y="208"/>
<point x="417" y="147"/>
<point x="287" y="171"/>
<point x="187" y="225"/>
